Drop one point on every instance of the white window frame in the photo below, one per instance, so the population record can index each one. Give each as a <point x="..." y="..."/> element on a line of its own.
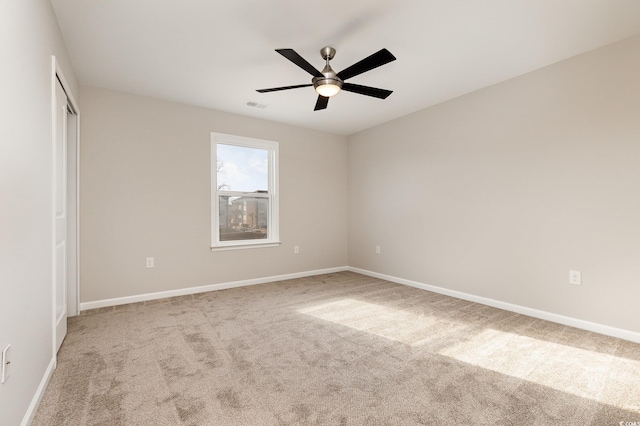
<point x="273" y="234"/>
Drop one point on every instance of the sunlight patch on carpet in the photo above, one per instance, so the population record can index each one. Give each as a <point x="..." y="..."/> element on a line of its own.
<point x="565" y="368"/>
<point x="383" y="321"/>
<point x="576" y="371"/>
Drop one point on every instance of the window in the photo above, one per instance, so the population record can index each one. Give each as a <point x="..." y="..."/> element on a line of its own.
<point x="244" y="192"/>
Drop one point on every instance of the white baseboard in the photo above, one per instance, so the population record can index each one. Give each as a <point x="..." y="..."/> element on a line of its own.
<point x="560" y="319"/>
<point x="548" y="316"/>
<point x="203" y="289"/>
<point x="37" y="397"/>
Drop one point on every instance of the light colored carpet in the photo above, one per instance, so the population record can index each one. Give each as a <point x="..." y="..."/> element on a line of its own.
<point x="338" y="349"/>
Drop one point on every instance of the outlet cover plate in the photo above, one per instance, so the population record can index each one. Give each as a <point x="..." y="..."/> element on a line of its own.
<point x="574" y="277"/>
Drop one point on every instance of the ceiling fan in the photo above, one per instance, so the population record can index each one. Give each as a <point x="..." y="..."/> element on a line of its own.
<point x="328" y="83"/>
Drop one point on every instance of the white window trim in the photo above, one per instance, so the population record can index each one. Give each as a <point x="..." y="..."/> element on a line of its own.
<point x="273" y="239"/>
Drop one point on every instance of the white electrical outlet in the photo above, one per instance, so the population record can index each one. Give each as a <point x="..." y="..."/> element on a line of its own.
<point x="377" y="249"/>
<point x="296" y="249"/>
<point x="150" y="262"/>
<point x="574" y="277"/>
<point x="6" y="361"/>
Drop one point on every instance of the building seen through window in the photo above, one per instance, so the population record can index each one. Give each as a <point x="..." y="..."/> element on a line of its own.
<point x="243" y="218"/>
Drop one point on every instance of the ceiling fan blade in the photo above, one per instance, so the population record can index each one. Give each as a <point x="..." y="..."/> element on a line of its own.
<point x="293" y="56"/>
<point x="366" y="90"/>
<point x="275" y="89"/>
<point x="379" y="58"/>
<point x="321" y="103"/>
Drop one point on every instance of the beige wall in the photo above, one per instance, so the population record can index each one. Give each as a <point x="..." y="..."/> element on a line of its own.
<point x="145" y="192"/>
<point x="499" y="193"/>
<point x="29" y="35"/>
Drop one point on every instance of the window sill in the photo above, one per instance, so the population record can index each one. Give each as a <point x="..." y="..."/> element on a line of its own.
<point x="246" y="246"/>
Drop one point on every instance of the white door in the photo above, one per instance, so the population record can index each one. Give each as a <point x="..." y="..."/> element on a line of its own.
<point x="60" y="200"/>
<point x="73" y="292"/>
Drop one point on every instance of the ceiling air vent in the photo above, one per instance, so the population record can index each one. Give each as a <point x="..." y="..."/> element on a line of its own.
<point x="256" y="105"/>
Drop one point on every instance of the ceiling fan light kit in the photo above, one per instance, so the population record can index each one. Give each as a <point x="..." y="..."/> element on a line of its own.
<point x="327" y="87"/>
<point x="328" y="83"/>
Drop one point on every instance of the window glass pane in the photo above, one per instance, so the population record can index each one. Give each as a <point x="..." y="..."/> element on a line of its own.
<point x="243" y="218"/>
<point x="242" y="168"/>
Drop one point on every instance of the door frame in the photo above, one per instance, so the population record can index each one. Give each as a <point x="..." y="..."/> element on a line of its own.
<point x="73" y="137"/>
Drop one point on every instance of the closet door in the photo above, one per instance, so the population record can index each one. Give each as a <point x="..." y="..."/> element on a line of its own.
<point x="60" y="212"/>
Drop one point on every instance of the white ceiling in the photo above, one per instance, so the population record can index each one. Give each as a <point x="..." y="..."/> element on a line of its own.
<point x="215" y="53"/>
